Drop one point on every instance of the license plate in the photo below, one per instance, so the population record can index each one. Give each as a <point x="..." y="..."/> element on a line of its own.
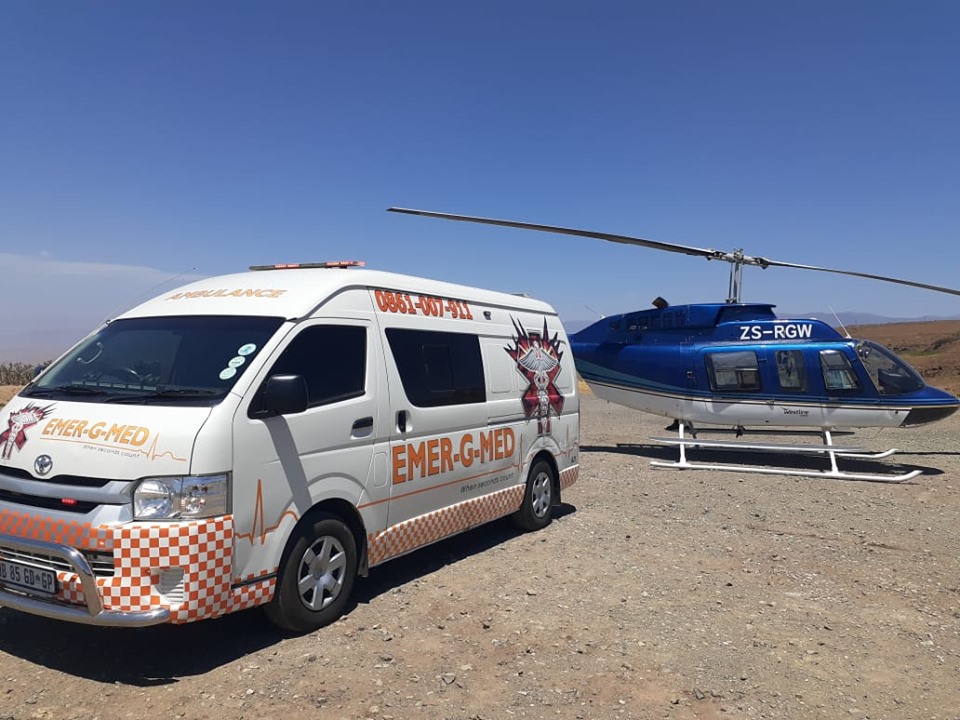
<point x="24" y="577"/>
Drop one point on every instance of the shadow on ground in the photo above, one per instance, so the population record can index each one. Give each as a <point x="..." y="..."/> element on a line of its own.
<point x="160" y="654"/>
<point x="759" y="459"/>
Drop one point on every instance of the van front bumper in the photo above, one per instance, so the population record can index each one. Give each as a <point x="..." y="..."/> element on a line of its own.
<point x="93" y="613"/>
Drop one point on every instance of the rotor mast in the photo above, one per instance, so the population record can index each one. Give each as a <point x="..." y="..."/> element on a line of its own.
<point x="736" y="277"/>
<point x="737" y="260"/>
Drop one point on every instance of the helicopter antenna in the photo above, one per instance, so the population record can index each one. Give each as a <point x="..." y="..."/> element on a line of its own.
<point x="737" y="258"/>
<point x="840" y="323"/>
<point x="602" y="316"/>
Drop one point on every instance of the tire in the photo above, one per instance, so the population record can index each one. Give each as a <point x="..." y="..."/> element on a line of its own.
<point x="316" y="576"/>
<point x="537" y="509"/>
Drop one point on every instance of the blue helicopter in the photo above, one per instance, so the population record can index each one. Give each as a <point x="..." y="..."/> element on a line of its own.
<point x="738" y="365"/>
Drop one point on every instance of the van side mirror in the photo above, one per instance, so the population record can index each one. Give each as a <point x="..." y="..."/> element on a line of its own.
<point x="283" y="395"/>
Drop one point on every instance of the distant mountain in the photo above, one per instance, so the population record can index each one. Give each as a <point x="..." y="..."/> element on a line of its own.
<point x="846" y="317"/>
<point x="862" y="318"/>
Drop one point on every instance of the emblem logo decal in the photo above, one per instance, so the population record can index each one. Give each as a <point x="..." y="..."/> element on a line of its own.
<point x="43" y="464"/>
<point x="15" y="436"/>
<point x="538" y="359"/>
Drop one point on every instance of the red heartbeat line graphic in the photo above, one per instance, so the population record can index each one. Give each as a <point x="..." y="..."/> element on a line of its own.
<point x="152" y="454"/>
<point x="259" y="520"/>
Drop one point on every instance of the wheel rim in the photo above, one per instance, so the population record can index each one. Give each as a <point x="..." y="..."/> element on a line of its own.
<point x="540" y="494"/>
<point x="322" y="570"/>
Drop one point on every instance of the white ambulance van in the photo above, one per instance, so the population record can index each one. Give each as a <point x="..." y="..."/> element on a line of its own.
<point x="263" y="438"/>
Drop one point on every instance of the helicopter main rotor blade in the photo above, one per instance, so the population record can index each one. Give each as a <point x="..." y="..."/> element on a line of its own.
<point x="626" y="239"/>
<point x="764" y="262"/>
<point x="736" y="257"/>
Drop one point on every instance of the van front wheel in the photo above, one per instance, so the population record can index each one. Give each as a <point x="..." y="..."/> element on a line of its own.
<point x="316" y="577"/>
<point x="535" y="513"/>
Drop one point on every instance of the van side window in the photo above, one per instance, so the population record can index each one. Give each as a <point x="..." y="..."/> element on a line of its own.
<point x="331" y="358"/>
<point x="733" y="371"/>
<point x="438" y="368"/>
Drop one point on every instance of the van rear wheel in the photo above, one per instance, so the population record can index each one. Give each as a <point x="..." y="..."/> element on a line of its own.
<point x="536" y="510"/>
<point x="316" y="576"/>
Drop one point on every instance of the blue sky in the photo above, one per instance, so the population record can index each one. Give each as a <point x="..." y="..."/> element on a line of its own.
<point x="146" y="143"/>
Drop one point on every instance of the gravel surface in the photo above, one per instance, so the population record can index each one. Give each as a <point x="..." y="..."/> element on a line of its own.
<point x="655" y="593"/>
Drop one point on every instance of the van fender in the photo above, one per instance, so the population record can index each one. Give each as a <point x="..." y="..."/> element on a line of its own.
<point x="330" y="493"/>
<point x="545" y="448"/>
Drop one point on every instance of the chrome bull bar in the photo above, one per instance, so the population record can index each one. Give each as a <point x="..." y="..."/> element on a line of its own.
<point x="93" y="613"/>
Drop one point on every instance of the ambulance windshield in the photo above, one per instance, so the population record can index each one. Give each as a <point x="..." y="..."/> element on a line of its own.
<point x="160" y="360"/>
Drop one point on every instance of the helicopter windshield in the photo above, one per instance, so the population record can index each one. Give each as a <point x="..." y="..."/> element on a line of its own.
<point x="890" y="374"/>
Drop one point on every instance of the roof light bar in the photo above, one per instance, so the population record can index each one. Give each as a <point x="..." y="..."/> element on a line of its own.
<point x="342" y="264"/>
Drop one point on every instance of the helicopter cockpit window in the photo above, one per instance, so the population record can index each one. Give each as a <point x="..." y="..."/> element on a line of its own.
<point x="790" y="370"/>
<point x="837" y="372"/>
<point x="890" y="374"/>
<point x="733" y="371"/>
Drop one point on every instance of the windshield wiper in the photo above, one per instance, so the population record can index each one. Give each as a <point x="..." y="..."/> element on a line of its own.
<point x="66" y="390"/>
<point x="185" y="393"/>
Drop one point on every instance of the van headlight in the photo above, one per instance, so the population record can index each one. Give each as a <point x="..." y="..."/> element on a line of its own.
<point x="184" y="497"/>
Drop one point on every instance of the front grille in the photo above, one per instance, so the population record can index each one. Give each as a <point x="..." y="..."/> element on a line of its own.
<point x="100" y="562"/>
<point x="72" y="480"/>
<point x="73" y="506"/>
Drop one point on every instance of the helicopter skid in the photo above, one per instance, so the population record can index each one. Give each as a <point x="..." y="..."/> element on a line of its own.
<point x="769" y="470"/>
<point x="852" y="452"/>
<point x="828" y="448"/>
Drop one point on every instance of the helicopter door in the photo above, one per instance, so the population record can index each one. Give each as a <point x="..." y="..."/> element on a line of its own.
<point x="793" y="373"/>
<point x="851" y="397"/>
<point x="734" y="383"/>
<point x="840" y="378"/>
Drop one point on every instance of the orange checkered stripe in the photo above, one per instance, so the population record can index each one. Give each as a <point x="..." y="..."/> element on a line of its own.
<point x="83" y="536"/>
<point x="244" y="597"/>
<point x="569" y="476"/>
<point x="202" y="549"/>
<point x="251" y="594"/>
<point x="416" y="532"/>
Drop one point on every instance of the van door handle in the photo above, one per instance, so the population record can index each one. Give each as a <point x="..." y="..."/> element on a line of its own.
<point x="402" y="421"/>
<point x="363" y="423"/>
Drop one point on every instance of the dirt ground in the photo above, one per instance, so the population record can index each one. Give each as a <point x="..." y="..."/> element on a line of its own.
<point x="7" y="392"/>
<point x="655" y="593"/>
